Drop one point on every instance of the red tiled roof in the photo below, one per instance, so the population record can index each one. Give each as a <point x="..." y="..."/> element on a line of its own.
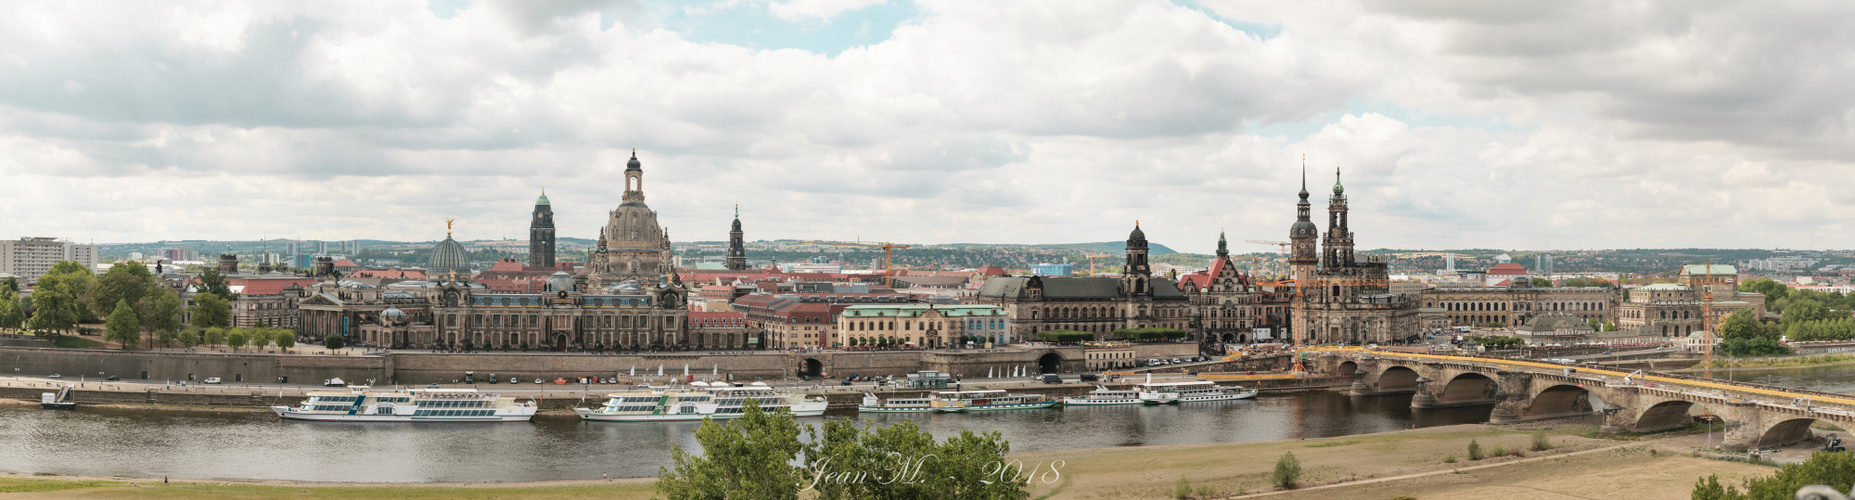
<point x="507" y="265"/>
<point x="1197" y="280"/>
<point x="1507" y="269"/>
<point x="992" y="271"/>
<point x="346" y="263"/>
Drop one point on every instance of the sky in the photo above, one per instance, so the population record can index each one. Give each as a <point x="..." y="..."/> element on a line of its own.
<point x="1545" y="125"/>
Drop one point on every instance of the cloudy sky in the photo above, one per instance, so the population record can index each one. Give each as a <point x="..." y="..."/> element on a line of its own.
<point x="1546" y="125"/>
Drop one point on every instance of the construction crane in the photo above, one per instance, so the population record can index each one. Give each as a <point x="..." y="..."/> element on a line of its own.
<point x="1092" y="258"/>
<point x="1707" y="282"/>
<point x="888" y="270"/>
<point x="1283" y="244"/>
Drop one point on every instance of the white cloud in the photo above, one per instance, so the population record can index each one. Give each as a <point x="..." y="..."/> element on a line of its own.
<point x="822" y="10"/>
<point x="1584" y="125"/>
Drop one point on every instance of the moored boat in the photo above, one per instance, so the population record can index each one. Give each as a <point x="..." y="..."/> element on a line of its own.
<point x="873" y="404"/>
<point x="660" y="403"/>
<point x="990" y="400"/>
<point x="357" y="404"/>
<point x="1185" y="392"/>
<point x="1103" y="396"/>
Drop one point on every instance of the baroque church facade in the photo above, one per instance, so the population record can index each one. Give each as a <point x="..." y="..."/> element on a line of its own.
<point x="627" y="297"/>
<point x="1347" y="297"/>
<point x="1100" y="306"/>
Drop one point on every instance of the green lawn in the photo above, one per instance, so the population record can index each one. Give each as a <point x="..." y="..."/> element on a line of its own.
<point x="68" y="341"/>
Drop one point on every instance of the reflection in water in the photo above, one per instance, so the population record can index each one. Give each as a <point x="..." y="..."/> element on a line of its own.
<point x="146" y="443"/>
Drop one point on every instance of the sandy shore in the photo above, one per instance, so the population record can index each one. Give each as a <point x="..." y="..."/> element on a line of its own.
<point x="1411" y="462"/>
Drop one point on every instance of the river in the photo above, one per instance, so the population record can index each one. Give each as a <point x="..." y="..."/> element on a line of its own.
<point x="239" y="445"/>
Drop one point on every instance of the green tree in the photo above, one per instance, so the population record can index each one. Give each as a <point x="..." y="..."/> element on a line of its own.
<point x="163" y="314"/>
<point x="123" y="327"/>
<point x="1835" y="470"/>
<point x="236" y="338"/>
<point x="1805" y="310"/>
<point x="1542" y="283"/>
<point x="1287" y="472"/>
<point x="1756" y="346"/>
<point x="286" y="339"/>
<point x="746" y="458"/>
<point x="11" y="313"/>
<point x="56" y="306"/>
<point x="77" y="280"/>
<point x="1064" y="336"/>
<point x="334" y="342"/>
<point x="11" y="284"/>
<point x="210" y="310"/>
<point x="1475" y="450"/>
<point x="125" y="281"/>
<point x="214" y="283"/>
<point x="261" y="337"/>
<point x="188" y="338"/>
<point x="214" y="336"/>
<point x="1741" y="325"/>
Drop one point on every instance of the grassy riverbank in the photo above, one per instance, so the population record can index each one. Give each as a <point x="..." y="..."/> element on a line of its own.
<point x="1380" y="465"/>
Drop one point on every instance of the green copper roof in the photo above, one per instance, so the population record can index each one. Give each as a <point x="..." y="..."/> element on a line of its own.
<point x="542" y="200"/>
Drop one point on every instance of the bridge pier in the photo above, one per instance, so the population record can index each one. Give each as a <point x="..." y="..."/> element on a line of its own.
<point x="1510" y="397"/>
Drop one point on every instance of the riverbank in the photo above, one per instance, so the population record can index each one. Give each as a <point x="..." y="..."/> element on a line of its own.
<point x="1410" y="462"/>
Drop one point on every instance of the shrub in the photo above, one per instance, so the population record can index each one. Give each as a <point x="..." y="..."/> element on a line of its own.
<point x="1183" y="490"/>
<point x="1287" y="471"/>
<point x="1449" y="459"/>
<point x="1498" y="451"/>
<point x="1475" y="451"/>
<point x="1540" y="443"/>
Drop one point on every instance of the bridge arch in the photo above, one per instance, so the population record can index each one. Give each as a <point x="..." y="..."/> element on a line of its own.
<point x="1346" y="369"/>
<point x="1467" y="389"/>
<point x="1558" y="400"/>
<point x="1786" y="432"/>
<point x="1665" y="415"/>
<point x="1397" y="378"/>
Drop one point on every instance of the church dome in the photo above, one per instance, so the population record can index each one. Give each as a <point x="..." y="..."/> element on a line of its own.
<point x="542" y="201"/>
<point x="393" y="312"/>
<point x="1303" y="229"/>
<point x="1137" y="235"/>
<point x="634" y="164"/>
<point x="448" y="256"/>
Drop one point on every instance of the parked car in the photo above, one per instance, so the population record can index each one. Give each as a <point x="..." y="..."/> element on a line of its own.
<point x="1052" y="379"/>
<point x="431" y="386"/>
<point x="212" y="380"/>
<point x="54" y="375"/>
<point x="1175" y="361"/>
<point x="539" y="381"/>
<point x="113" y="377"/>
<point x="846" y="382"/>
<point x="1090" y="377"/>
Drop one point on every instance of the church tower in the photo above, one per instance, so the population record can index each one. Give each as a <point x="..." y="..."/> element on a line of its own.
<point x="541" y="234"/>
<point x="1301" y="235"/>
<point x="634" y="181"/>
<point x="1339" y="241"/>
<point x="1137" y="277"/>
<point x="737" y="249"/>
<point x="632" y="246"/>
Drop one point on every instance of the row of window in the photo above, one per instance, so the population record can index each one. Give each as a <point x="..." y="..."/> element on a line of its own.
<point x="454" y="413"/>
<point x="452" y="404"/>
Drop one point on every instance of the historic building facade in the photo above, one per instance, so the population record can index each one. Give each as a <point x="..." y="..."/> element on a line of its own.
<point x="632" y="247"/>
<point x="627" y="298"/>
<point x="1674" y="310"/>
<point x="1518" y="302"/>
<point x="1347" y="297"/>
<point x="1228" y="306"/>
<point x="929" y="326"/>
<point x="1096" y="305"/>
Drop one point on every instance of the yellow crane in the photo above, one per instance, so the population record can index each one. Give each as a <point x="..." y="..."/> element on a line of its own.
<point x="1284" y="246"/>
<point x="1092" y="258"/>
<point x="888" y="270"/>
<point x="1706" y="282"/>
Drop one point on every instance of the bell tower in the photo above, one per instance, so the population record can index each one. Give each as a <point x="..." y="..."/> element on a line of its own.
<point x="1137" y="277"/>
<point x="541" y="234"/>
<point x="737" y="249"/>
<point x="634" y="180"/>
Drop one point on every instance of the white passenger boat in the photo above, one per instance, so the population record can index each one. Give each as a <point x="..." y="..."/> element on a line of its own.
<point x="873" y="404"/>
<point x="1155" y="393"/>
<point x="1103" y="396"/>
<point x="695" y="403"/>
<point x="989" y="400"/>
<point x="357" y="404"/>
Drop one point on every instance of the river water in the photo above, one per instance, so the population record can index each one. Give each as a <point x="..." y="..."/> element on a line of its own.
<point x="196" y="444"/>
<point x="1832" y="378"/>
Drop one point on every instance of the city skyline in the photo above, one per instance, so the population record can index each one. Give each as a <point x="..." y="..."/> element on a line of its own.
<point x="926" y="122"/>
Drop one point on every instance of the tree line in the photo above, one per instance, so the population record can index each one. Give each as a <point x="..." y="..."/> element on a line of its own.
<point x="135" y="307"/>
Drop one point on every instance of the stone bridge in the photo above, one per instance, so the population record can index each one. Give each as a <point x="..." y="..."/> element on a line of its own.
<point x="1755" y="415"/>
